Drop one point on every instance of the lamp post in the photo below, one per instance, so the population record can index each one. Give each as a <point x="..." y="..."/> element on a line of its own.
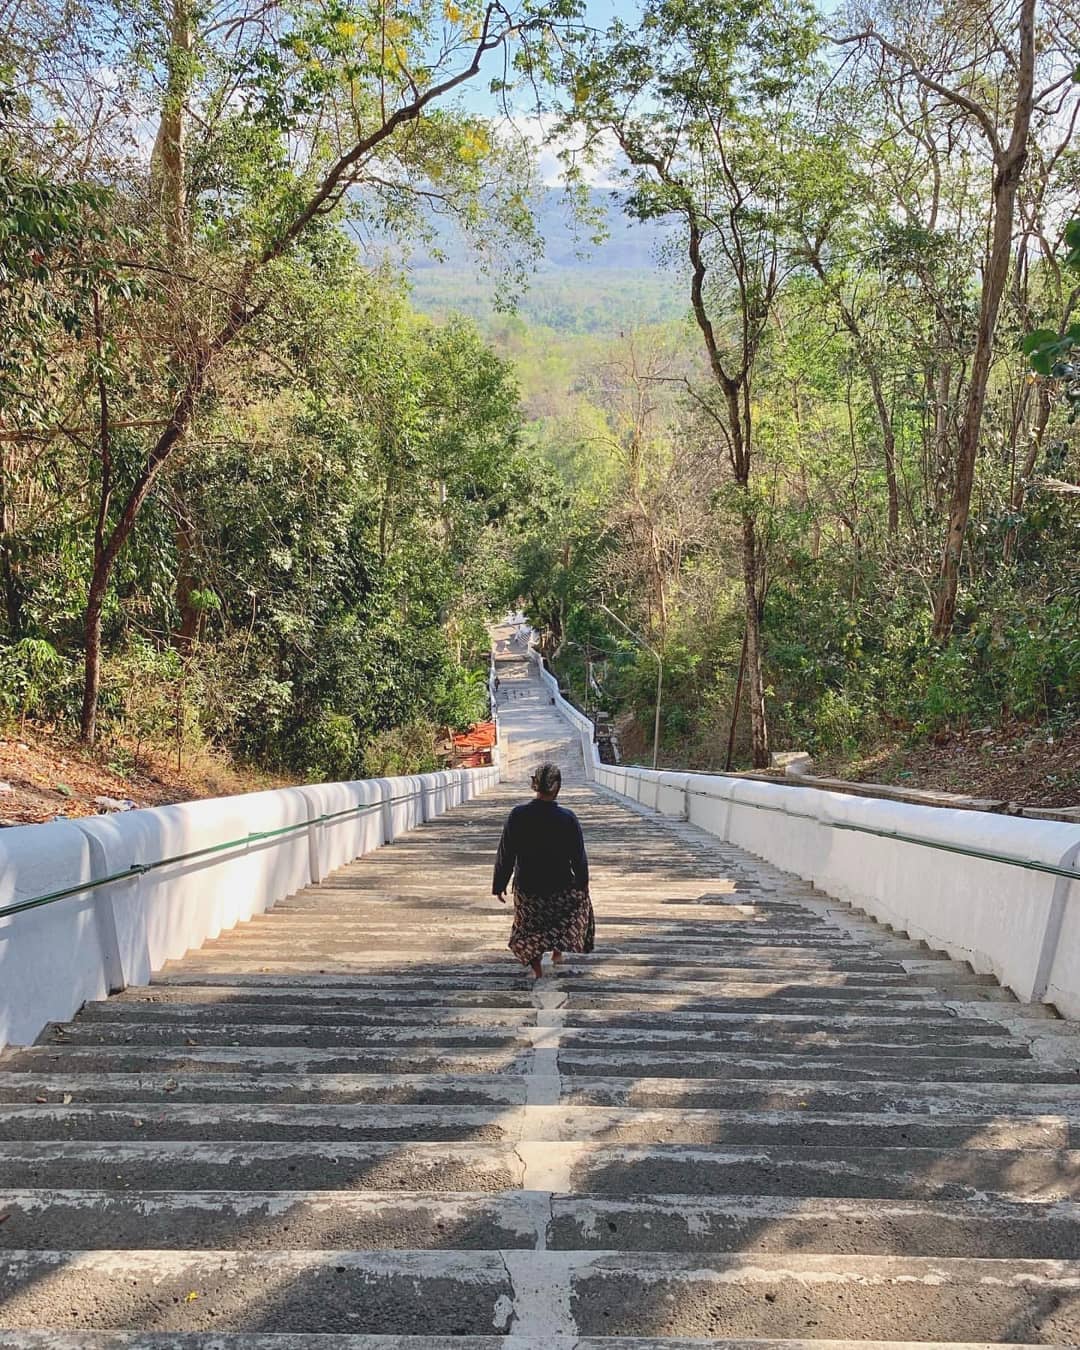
<point x="659" y="677"/>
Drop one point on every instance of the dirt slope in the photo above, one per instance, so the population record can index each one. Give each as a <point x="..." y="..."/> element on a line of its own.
<point x="44" y="777"/>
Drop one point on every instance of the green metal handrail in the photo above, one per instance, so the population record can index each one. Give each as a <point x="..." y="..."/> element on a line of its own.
<point x="1010" y="859"/>
<point x="256" y="836"/>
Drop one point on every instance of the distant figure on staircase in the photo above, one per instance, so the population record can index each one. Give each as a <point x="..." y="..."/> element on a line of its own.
<point x="543" y="850"/>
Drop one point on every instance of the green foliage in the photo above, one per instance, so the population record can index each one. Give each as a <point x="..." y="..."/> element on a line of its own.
<point x="406" y="749"/>
<point x="843" y="680"/>
<point x="144" y="693"/>
<point x="54" y="243"/>
<point x="1055" y="353"/>
<point x="34" y="678"/>
<point x="339" y="547"/>
<point x="327" y="748"/>
<point x="460" y="697"/>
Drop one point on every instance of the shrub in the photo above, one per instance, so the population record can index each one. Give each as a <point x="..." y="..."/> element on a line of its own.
<point x="35" y="680"/>
<point x="328" y="747"/>
<point x="407" y="749"/>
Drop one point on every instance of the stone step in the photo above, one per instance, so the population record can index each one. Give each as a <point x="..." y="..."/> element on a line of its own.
<point x="856" y="1064"/>
<point x="490" y="942"/>
<point x="213" y="1340"/>
<point x="1019" y="1100"/>
<point x="925" y="1097"/>
<point x="373" y="915"/>
<point x="308" y="1220"/>
<point x="907" y="1000"/>
<point x="928" y="1021"/>
<point x="608" y="970"/>
<point x="376" y="1089"/>
<point x="379" y="1036"/>
<point x="428" y="1005"/>
<point x="592" y="1294"/>
<point x="129" y="1166"/>
<point x="813" y="1171"/>
<point x="851" y="1035"/>
<point x="722" y="926"/>
<point x="284" y="1059"/>
<point x="344" y="996"/>
<point x="570" y="982"/>
<point x="694" y="900"/>
<point x="229" y="1122"/>
<point x="629" y="1169"/>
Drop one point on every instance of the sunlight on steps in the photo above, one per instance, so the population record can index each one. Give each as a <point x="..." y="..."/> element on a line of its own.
<point x="752" y="1117"/>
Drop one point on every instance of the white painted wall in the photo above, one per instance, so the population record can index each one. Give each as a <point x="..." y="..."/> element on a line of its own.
<point x="1022" y="926"/>
<point x="55" y="955"/>
<point x="53" y="959"/>
<point x="1019" y="925"/>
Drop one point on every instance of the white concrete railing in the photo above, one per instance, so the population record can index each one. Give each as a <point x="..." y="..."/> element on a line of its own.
<point x="578" y="720"/>
<point x="55" y="957"/>
<point x="1015" y="922"/>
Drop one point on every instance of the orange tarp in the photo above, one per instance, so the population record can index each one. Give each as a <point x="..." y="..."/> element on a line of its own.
<point x="472" y="748"/>
<point x="479" y="737"/>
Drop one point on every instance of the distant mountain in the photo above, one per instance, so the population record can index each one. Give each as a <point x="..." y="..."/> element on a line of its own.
<point x="579" y="287"/>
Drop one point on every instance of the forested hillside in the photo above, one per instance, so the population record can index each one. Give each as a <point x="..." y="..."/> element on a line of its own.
<point x="845" y="489"/>
<point x="304" y="375"/>
<point x="249" y="494"/>
<point x="600" y="272"/>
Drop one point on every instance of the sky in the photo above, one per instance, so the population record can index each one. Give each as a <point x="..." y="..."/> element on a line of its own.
<point x="477" y="98"/>
<point x="476" y="95"/>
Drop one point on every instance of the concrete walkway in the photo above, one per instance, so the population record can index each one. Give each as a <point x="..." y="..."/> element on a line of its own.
<point x="354" y="1124"/>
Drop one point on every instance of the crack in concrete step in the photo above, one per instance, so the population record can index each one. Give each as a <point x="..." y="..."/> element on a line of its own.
<point x="612" y="1170"/>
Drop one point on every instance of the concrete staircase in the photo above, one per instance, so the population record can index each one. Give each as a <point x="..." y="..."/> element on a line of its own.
<point x="751" y="1117"/>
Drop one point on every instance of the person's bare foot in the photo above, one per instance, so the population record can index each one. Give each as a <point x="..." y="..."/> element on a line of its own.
<point x="537" y="967"/>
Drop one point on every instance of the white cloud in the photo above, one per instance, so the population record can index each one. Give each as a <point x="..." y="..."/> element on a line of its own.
<point x="538" y="131"/>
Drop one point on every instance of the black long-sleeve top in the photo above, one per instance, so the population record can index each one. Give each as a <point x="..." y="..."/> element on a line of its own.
<point x="543" y="849"/>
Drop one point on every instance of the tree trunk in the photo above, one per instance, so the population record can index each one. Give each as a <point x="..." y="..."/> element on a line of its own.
<point x="92" y="645"/>
<point x="12" y="589"/>
<point x="170" y="151"/>
<point x="12" y="594"/>
<point x="736" y="702"/>
<point x="941" y="456"/>
<point x="1027" y="470"/>
<point x="759" y="727"/>
<point x="107" y="551"/>
<point x="186" y="586"/>
<point x="1008" y="166"/>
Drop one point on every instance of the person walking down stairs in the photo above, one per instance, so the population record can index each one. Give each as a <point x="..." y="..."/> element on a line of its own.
<point x="543" y="850"/>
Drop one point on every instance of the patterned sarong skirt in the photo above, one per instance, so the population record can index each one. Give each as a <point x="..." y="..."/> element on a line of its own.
<point x="551" y="923"/>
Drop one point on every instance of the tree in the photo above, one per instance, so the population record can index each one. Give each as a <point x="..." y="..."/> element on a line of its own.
<point x="830" y="217"/>
<point x="338" y="112"/>
<point x="703" y="102"/>
<point x="55" y="242"/>
<point x="660" y="474"/>
<point x="956" y="64"/>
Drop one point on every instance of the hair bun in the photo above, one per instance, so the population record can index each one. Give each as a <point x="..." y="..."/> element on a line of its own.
<point x="547" y="779"/>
